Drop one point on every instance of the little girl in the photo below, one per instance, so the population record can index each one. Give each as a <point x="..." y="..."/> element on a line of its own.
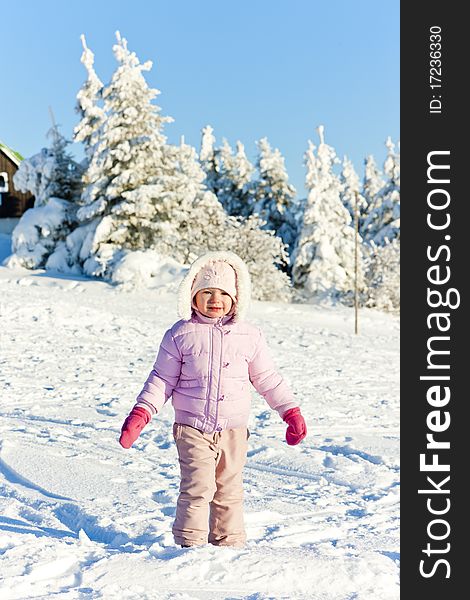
<point x="205" y="362"/>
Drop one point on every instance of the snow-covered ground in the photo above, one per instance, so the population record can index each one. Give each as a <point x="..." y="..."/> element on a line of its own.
<point x="82" y="518"/>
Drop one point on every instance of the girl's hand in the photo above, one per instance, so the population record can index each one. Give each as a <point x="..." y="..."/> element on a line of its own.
<point x="297" y="429"/>
<point x="133" y="425"/>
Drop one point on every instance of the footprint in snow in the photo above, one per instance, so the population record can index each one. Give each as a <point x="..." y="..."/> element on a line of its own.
<point x="162" y="497"/>
<point x="162" y="442"/>
<point x="168" y="511"/>
<point x="107" y="412"/>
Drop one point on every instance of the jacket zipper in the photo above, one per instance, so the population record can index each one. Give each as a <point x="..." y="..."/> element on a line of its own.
<point x="209" y="376"/>
<point x="218" y="325"/>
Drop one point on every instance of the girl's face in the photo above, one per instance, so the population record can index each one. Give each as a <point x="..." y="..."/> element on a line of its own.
<point x="212" y="302"/>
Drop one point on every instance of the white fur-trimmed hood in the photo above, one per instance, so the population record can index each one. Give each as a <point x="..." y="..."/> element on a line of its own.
<point x="243" y="284"/>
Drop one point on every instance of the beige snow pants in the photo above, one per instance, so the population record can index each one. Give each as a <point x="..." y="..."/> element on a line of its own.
<point x="211" y="488"/>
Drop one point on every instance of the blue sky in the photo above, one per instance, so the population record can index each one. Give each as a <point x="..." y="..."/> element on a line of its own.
<point x="248" y="68"/>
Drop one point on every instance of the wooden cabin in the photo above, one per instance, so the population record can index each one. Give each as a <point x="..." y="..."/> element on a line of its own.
<point x="12" y="202"/>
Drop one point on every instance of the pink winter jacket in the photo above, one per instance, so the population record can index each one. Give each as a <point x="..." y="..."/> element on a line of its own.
<point x="206" y="365"/>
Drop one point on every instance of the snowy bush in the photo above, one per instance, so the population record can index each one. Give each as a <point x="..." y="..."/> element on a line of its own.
<point x="262" y="251"/>
<point x="147" y="268"/>
<point x="53" y="177"/>
<point x="36" y="234"/>
<point x="382" y="276"/>
<point x="264" y="254"/>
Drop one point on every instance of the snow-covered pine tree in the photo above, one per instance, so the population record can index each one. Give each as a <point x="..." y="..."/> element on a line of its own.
<point x="243" y="173"/>
<point x="225" y="185"/>
<point x="191" y="221"/>
<point x="273" y="195"/>
<point x="371" y="186"/>
<point x="298" y="214"/>
<point x="383" y="218"/>
<point x="52" y="172"/>
<point x="235" y="172"/>
<point x="65" y="173"/>
<point x="125" y="170"/>
<point x="89" y="106"/>
<point x="382" y="276"/>
<point x="208" y="159"/>
<point x="350" y="193"/>
<point x="228" y="176"/>
<point x="92" y="116"/>
<point x="188" y="218"/>
<point x="324" y="256"/>
<point x="54" y="178"/>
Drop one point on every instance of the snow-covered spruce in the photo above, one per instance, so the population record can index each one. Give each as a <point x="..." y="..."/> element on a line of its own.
<point x="351" y="195"/>
<point x="52" y="172"/>
<point x="241" y="174"/>
<point x="125" y="169"/>
<point x="207" y="158"/>
<point x="190" y="221"/>
<point x="324" y="255"/>
<point x="234" y="183"/>
<point x="188" y="218"/>
<point x="228" y="175"/>
<point x="89" y="106"/>
<point x="383" y="219"/>
<point x="273" y="196"/>
<point x="53" y="177"/>
<point x="194" y="222"/>
<point x="372" y="183"/>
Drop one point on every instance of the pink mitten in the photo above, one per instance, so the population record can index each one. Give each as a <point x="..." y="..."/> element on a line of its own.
<point x="133" y="425"/>
<point x="297" y="429"/>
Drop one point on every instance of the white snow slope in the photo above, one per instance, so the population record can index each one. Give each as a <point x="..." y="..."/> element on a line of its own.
<point x="82" y="518"/>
